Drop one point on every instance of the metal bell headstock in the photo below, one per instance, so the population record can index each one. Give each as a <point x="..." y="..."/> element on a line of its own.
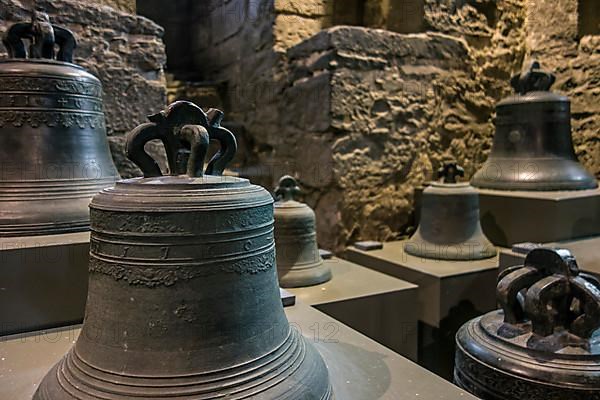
<point x="449" y="172"/>
<point x="185" y="131"/>
<point x="287" y="189"/>
<point x="43" y="37"/>
<point x="532" y="79"/>
<point x="551" y="292"/>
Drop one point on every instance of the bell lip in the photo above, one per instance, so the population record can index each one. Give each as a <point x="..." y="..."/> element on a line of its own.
<point x="534" y="185"/>
<point x="311" y="275"/>
<point x="482" y="252"/>
<point x="579" y="178"/>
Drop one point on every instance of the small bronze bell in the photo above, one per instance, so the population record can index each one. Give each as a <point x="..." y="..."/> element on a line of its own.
<point x="183" y="297"/>
<point x="543" y="344"/>
<point x="449" y="227"/>
<point x="532" y="148"/>
<point x="299" y="262"/>
<point x="53" y="148"/>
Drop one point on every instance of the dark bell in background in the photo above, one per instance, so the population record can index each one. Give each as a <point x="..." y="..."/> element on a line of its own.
<point x="299" y="262"/>
<point x="449" y="227"/>
<point x="533" y="148"/>
<point x="53" y="145"/>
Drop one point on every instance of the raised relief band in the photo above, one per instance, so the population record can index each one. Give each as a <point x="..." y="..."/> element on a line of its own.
<point x="49" y="84"/>
<point x="51" y="119"/>
<point x="50" y="102"/>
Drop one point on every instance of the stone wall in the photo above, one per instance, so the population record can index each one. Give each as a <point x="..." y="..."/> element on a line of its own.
<point x="363" y="115"/>
<point x="125" y="51"/>
<point x="367" y="115"/>
<point x="297" y="20"/>
<point x="122" y="5"/>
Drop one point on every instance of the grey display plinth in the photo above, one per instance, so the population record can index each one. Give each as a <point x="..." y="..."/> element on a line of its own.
<point x="374" y="304"/>
<point x="450" y="293"/>
<point x="43" y="281"/>
<point x="359" y="368"/>
<point x="585" y="251"/>
<point x="510" y="217"/>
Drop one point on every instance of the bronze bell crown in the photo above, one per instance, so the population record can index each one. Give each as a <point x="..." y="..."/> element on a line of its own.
<point x="299" y="263"/>
<point x="53" y="145"/>
<point x="543" y="344"/>
<point x="449" y="227"/>
<point x="533" y="148"/>
<point x="183" y="298"/>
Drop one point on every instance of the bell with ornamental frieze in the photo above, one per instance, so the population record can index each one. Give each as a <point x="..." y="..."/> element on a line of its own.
<point x="183" y="298"/>
<point x="543" y="343"/>
<point x="449" y="227"/>
<point x="299" y="262"/>
<point x="54" y="154"/>
<point x="532" y="148"/>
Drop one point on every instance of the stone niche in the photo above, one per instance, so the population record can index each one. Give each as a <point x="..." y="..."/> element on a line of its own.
<point x="589" y="18"/>
<point x="122" y="49"/>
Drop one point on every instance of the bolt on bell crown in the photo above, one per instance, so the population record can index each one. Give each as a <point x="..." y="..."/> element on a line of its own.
<point x="449" y="227"/>
<point x="543" y="344"/>
<point x="299" y="262"/>
<point x="532" y="148"/>
<point x="183" y="297"/>
<point x="53" y="145"/>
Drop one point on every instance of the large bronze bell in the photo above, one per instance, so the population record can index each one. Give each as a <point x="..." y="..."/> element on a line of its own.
<point x="299" y="263"/>
<point x="532" y="148"/>
<point x="53" y="149"/>
<point x="183" y="297"/>
<point x="449" y="227"/>
<point x="543" y="344"/>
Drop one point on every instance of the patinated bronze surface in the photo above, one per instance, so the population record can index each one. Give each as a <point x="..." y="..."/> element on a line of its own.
<point x="53" y="148"/>
<point x="532" y="148"/>
<point x="299" y="262"/>
<point x="183" y="296"/>
<point x="449" y="227"/>
<point x="543" y="344"/>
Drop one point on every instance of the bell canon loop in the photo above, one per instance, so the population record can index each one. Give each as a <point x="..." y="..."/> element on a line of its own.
<point x="183" y="298"/>
<point x="449" y="227"/>
<point x="532" y="148"/>
<point x="299" y="262"/>
<point x="53" y="146"/>
<point x="543" y="344"/>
